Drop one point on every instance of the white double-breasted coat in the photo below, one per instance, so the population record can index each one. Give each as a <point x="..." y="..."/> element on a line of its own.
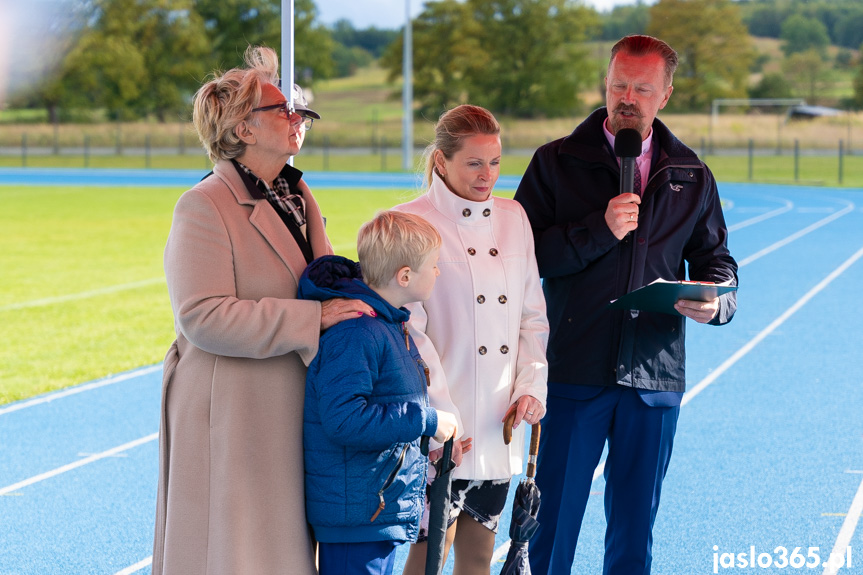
<point x="484" y="331"/>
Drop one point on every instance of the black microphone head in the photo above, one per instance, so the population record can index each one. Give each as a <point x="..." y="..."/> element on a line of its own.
<point x="627" y="143"/>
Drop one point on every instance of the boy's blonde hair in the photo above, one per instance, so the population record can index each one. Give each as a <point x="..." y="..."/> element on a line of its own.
<point x="391" y="241"/>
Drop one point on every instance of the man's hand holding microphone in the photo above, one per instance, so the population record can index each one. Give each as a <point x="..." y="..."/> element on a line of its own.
<point x="621" y="216"/>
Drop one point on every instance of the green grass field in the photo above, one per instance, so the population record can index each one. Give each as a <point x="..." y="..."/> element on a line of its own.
<point x="83" y="293"/>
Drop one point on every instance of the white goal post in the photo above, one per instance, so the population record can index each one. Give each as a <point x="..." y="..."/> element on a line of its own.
<point x="717" y="103"/>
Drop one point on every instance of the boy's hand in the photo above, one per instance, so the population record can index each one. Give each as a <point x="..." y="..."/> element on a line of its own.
<point x="446" y="426"/>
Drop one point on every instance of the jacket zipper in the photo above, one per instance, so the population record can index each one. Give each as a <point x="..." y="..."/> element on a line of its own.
<point x="389" y="481"/>
<point x="401" y="459"/>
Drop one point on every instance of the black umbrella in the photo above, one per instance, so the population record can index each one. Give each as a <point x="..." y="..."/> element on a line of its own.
<point x="525" y="506"/>
<point x="439" y="504"/>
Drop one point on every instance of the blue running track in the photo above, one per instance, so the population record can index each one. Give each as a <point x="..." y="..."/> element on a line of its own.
<point x="768" y="454"/>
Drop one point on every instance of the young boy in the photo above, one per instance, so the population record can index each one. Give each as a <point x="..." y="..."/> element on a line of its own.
<point x="366" y="404"/>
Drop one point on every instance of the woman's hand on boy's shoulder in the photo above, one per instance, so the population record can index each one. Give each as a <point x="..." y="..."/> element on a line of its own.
<point x="339" y="309"/>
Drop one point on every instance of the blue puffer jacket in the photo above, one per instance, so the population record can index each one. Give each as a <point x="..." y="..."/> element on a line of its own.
<point x="366" y="404"/>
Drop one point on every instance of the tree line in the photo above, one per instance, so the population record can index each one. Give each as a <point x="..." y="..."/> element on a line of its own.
<point x="838" y="22"/>
<point x="524" y="58"/>
<point x="139" y="58"/>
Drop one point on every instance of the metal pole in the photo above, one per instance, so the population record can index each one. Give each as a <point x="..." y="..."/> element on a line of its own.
<point x="751" y="151"/>
<point x="407" y="94"/>
<point x="796" y="160"/>
<point x="779" y="135"/>
<point x="375" y="131"/>
<point x="714" y="115"/>
<point x="841" y="146"/>
<point x="288" y="54"/>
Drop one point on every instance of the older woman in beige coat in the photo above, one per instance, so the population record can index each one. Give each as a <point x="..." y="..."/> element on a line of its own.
<point x="230" y="495"/>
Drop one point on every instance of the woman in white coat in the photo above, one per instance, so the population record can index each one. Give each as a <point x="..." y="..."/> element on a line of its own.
<point x="483" y="332"/>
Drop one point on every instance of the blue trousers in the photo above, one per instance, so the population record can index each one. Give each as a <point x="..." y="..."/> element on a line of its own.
<point x="640" y="440"/>
<point x="372" y="558"/>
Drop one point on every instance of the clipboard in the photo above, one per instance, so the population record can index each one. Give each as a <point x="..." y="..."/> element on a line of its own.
<point x="661" y="295"/>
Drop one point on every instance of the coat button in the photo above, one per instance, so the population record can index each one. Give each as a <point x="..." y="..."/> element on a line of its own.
<point x="482" y="350"/>
<point x="493" y="251"/>
<point x="471" y="251"/>
<point x="466" y="212"/>
<point x="480" y="299"/>
<point x="502" y="299"/>
<point x="486" y="212"/>
<point x="504" y="349"/>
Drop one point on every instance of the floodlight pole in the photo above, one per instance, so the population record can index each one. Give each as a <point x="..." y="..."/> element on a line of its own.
<point x="287" y="57"/>
<point x="407" y="95"/>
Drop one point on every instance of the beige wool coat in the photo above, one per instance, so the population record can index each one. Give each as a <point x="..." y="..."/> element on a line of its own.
<point x="230" y="494"/>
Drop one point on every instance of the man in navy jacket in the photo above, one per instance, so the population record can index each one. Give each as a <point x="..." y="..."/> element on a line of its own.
<point x="618" y="375"/>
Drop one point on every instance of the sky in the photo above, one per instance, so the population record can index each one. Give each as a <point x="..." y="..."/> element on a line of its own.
<point x="391" y="13"/>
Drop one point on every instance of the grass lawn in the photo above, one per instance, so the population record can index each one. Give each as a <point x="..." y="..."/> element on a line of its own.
<point x="83" y="294"/>
<point x="811" y="170"/>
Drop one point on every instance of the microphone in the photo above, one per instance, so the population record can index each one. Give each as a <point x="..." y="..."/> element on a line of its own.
<point x="627" y="147"/>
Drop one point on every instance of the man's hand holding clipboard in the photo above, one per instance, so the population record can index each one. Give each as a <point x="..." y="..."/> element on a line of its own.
<point x="696" y="300"/>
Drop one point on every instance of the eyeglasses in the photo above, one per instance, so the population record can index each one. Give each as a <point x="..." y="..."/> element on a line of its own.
<point x="298" y="122"/>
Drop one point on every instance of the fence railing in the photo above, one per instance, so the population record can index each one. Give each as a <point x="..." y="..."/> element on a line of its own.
<point x="384" y="156"/>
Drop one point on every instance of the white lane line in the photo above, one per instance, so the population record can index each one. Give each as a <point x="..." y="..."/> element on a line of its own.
<point x="82" y="295"/>
<point x="136" y="567"/>
<point x="739" y="354"/>
<point x="79" y="389"/>
<point x="766" y="216"/>
<point x="797" y="235"/>
<point x="77" y="464"/>
<point x="501" y="552"/>
<point x="843" y="541"/>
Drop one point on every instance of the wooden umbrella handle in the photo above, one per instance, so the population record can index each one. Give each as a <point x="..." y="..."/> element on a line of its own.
<point x="507" y="427"/>
<point x="535" y="430"/>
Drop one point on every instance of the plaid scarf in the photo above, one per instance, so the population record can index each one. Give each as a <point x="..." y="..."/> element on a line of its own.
<point x="281" y="198"/>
